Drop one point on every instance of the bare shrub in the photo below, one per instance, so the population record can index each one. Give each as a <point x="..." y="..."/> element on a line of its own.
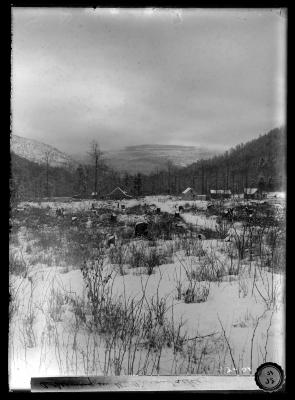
<point x="192" y="247"/>
<point x="209" y="233"/>
<point x="29" y="319"/>
<point x="14" y="300"/>
<point x="243" y="287"/>
<point x="117" y="255"/>
<point x="17" y="265"/>
<point x="162" y="227"/>
<point x="137" y="210"/>
<point x="28" y="330"/>
<point x="210" y="269"/>
<point x="197" y="292"/>
<point x="240" y="239"/>
<point x="126" y="234"/>
<point x="152" y="260"/>
<point x="79" y="308"/>
<point x="136" y="256"/>
<point x="48" y="239"/>
<point x="55" y="306"/>
<point x="13" y="236"/>
<point x="196" y="289"/>
<point x="142" y="256"/>
<point x="222" y="228"/>
<point x="97" y="279"/>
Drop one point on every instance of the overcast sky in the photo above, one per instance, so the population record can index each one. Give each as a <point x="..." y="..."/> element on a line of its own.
<point x="210" y="78"/>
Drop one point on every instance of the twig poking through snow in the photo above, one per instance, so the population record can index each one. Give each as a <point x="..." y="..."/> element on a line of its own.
<point x="230" y="350"/>
<point x="201" y="337"/>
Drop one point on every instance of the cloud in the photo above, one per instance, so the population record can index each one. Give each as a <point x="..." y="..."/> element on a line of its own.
<point x="205" y="77"/>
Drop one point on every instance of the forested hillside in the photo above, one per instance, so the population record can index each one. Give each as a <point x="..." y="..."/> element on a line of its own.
<point x="32" y="180"/>
<point x="260" y="162"/>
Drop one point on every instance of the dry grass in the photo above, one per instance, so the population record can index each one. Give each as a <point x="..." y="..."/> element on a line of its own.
<point x="117" y="334"/>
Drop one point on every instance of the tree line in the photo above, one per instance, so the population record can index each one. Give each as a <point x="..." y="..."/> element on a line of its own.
<point x="258" y="163"/>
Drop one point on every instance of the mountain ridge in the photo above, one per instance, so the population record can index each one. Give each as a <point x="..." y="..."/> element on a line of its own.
<point x="143" y="158"/>
<point x="257" y="163"/>
<point x="39" y="152"/>
<point x="149" y="157"/>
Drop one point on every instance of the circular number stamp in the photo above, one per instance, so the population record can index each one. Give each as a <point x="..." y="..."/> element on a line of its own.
<point x="269" y="377"/>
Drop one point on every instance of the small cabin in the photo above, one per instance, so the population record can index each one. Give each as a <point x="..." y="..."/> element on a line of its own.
<point x="220" y="194"/>
<point x="201" y="197"/>
<point x="188" y="194"/>
<point x="253" y="194"/>
<point x="118" y="194"/>
<point x="94" y="195"/>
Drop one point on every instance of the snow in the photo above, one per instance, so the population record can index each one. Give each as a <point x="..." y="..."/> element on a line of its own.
<point x="227" y="306"/>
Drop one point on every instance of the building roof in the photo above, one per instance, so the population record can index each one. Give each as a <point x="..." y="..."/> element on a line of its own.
<point x="187" y="190"/>
<point x="120" y="190"/>
<point x="250" y="190"/>
<point x="220" y="191"/>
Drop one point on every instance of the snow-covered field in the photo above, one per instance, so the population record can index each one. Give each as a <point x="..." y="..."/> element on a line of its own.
<point x="204" y="309"/>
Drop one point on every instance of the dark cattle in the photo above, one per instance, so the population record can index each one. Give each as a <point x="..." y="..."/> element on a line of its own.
<point x="180" y="227"/>
<point x="228" y="238"/>
<point x="230" y="213"/>
<point x="113" y="218"/>
<point x="249" y="211"/>
<point x="59" y="212"/>
<point x="158" y="210"/>
<point x="180" y="209"/>
<point x="141" y="229"/>
<point x="176" y="215"/>
<point x="111" y="240"/>
<point x="224" y="213"/>
<point x="210" y="207"/>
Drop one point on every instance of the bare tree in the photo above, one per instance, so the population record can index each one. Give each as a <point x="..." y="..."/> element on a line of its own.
<point x="169" y="165"/>
<point x="48" y="156"/>
<point x="96" y="156"/>
<point x="203" y="191"/>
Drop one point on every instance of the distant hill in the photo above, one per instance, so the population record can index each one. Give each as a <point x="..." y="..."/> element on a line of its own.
<point x="132" y="159"/>
<point x="37" y="152"/>
<point x="149" y="157"/>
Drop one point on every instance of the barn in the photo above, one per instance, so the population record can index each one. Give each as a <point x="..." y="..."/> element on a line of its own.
<point x="188" y="194"/>
<point x="253" y="193"/>
<point x="94" y="195"/>
<point x="118" y="194"/>
<point x="220" y="194"/>
<point x="201" y="197"/>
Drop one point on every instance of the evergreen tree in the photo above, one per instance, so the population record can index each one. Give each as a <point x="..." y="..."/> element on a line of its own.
<point x="137" y="184"/>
